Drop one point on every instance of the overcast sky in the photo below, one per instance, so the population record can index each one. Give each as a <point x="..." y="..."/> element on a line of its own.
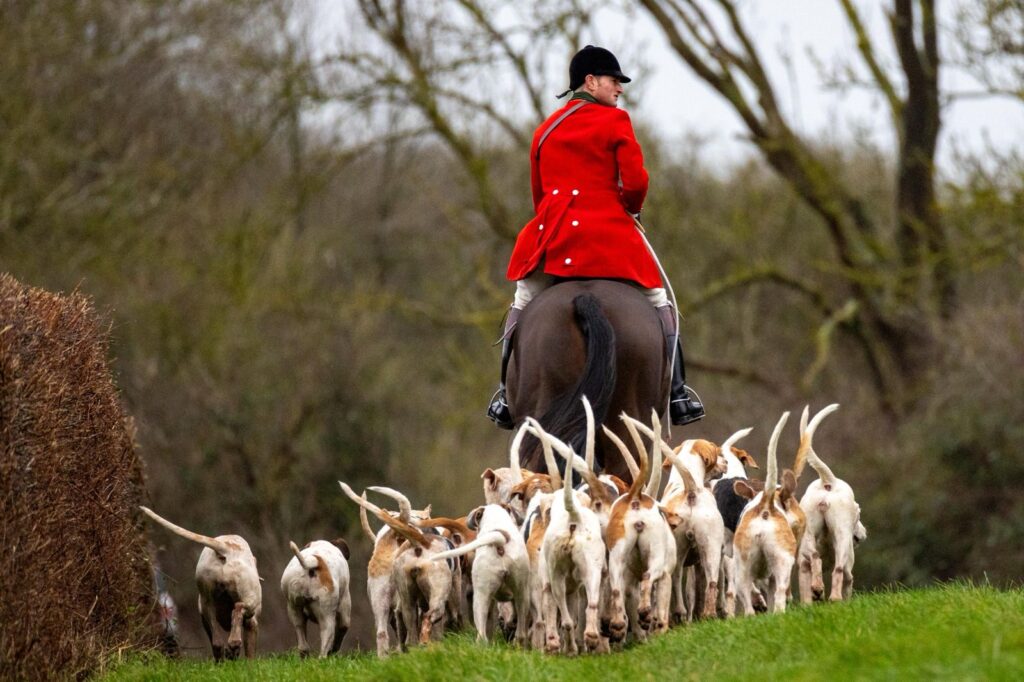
<point x="678" y="104"/>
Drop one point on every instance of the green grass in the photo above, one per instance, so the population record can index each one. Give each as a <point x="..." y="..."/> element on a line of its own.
<point x="956" y="631"/>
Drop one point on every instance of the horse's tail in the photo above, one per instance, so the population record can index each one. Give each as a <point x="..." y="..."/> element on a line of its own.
<point x="565" y="418"/>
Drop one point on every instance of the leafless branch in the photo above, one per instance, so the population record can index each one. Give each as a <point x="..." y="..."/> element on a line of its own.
<point x="747" y="374"/>
<point x="757" y="275"/>
<point x="720" y="80"/>
<point x="519" y="136"/>
<point x="517" y="59"/>
<point x="867" y="52"/>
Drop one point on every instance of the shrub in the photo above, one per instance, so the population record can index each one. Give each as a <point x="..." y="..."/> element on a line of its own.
<point x="76" y="572"/>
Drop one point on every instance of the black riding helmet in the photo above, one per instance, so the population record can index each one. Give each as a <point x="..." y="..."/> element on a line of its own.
<point x="594" y="60"/>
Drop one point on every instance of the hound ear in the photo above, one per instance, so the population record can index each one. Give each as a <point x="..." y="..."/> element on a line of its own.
<point x="491" y="478"/>
<point x="343" y="546"/>
<point x="457" y="538"/>
<point x="744" y="457"/>
<point x="473" y="520"/>
<point x="789" y="481"/>
<point x="428" y="510"/>
<point x="742" y="489"/>
<point x="672" y="518"/>
<point x="707" y="451"/>
<point x="666" y="465"/>
<point x="619" y="484"/>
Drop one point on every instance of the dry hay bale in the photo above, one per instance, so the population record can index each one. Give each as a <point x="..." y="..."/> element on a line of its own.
<point x="76" y="579"/>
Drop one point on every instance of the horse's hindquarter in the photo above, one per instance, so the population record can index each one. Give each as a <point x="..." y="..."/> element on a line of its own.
<point x="550" y="354"/>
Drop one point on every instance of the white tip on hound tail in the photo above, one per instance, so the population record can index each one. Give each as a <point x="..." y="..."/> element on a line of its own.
<point x="806" y="451"/>
<point x="217" y="546"/>
<point x="298" y="555"/>
<point x="491" y="537"/>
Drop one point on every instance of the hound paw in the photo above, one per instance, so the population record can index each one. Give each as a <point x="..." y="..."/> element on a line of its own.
<point x="553" y="645"/>
<point x="508" y="629"/>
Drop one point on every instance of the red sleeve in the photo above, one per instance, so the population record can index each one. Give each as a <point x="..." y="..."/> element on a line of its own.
<point x="630" y="160"/>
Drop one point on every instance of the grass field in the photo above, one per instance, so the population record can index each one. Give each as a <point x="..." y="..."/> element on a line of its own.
<point x="956" y="632"/>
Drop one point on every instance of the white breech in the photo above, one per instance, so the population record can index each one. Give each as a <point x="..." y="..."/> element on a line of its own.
<point x="538" y="281"/>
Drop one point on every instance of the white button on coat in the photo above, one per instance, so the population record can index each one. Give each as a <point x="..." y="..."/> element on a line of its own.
<point x="568" y="261"/>
<point x="575" y="192"/>
<point x="575" y="223"/>
<point x="554" y="192"/>
<point x="541" y="226"/>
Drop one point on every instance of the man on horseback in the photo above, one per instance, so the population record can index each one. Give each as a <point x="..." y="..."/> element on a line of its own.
<point x="588" y="186"/>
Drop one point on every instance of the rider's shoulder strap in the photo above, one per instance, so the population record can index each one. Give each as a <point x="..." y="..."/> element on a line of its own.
<point x="556" y="122"/>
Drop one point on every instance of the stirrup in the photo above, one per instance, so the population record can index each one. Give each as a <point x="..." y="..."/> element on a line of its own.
<point x="498" y="411"/>
<point x="686" y="409"/>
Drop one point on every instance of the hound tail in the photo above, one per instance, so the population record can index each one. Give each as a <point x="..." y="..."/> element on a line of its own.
<point x="364" y="521"/>
<point x="580" y="465"/>
<point x="689" y="482"/>
<point x="654" y="484"/>
<point x="627" y="457"/>
<point x="514" y="454"/>
<point x="569" y="497"/>
<point x="217" y="546"/>
<point x="734" y="438"/>
<point x="302" y="559"/>
<point x="549" y="456"/>
<point x="771" y="478"/>
<point x="806" y="452"/>
<point x="410" y="533"/>
<point x="637" y="487"/>
<point x="658" y="445"/>
<point x="404" y="506"/>
<point x="549" y="442"/>
<point x="492" y="537"/>
<point x="589" y="450"/>
<point x="453" y="525"/>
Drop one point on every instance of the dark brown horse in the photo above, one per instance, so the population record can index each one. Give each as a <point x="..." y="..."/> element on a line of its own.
<point x="597" y="338"/>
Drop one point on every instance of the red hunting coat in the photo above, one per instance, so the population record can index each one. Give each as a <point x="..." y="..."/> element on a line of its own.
<point x="590" y="177"/>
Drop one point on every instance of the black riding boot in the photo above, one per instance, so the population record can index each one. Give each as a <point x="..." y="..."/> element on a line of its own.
<point x="498" y="411"/>
<point x="684" y="405"/>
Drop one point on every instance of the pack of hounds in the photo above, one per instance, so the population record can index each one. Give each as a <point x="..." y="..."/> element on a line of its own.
<point x="562" y="568"/>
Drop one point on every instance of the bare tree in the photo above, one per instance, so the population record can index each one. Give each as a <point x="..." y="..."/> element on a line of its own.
<point x="990" y="40"/>
<point x="887" y="284"/>
<point x="467" y="75"/>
